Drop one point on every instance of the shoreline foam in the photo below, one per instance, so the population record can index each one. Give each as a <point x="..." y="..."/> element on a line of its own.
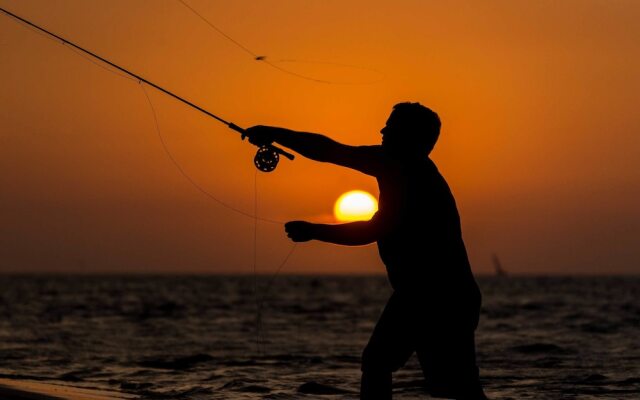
<point x="12" y="389"/>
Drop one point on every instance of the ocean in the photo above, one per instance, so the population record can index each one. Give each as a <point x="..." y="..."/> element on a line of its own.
<point x="301" y="337"/>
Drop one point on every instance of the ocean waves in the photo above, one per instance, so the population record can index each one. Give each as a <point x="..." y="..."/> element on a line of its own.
<point x="230" y="338"/>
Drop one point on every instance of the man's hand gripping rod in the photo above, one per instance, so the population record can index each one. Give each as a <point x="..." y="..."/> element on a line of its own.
<point x="267" y="157"/>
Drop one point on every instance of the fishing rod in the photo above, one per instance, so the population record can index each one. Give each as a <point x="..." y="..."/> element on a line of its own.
<point x="267" y="156"/>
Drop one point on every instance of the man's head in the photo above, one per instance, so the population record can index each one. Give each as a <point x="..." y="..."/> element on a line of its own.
<point x="411" y="128"/>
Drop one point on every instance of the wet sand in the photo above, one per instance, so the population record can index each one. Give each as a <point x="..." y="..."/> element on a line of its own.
<point x="11" y="389"/>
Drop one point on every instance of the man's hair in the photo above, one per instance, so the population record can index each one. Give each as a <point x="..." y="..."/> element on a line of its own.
<point x="421" y="123"/>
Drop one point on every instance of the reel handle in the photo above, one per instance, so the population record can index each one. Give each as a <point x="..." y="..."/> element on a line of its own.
<point x="275" y="148"/>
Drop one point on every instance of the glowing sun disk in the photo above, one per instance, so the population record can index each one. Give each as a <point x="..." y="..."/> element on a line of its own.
<point x="355" y="205"/>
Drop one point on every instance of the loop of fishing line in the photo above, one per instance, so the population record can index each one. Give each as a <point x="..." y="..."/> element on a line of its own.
<point x="259" y="299"/>
<point x="274" y="64"/>
<point x="188" y="177"/>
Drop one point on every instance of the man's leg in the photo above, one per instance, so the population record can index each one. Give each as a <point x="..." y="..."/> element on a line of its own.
<point x="473" y="394"/>
<point x="388" y="349"/>
<point x="375" y="385"/>
<point x="447" y="357"/>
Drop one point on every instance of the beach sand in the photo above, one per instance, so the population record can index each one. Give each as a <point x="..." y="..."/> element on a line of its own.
<point x="11" y="389"/>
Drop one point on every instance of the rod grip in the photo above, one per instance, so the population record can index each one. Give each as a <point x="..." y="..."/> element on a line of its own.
<point x="284" y="153"/>
<point x="244" y="135"/>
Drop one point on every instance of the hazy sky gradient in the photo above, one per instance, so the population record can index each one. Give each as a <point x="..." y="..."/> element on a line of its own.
<point x="539" y="142"/>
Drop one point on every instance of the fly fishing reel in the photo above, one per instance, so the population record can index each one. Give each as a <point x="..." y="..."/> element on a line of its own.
<point x="266" y="159"/>
<point x="268" y="155"/>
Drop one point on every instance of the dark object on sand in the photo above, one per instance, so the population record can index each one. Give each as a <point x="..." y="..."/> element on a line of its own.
<point x="318" y="388"/>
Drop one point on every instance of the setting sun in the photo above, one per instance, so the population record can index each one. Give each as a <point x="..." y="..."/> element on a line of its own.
<point x="355" y="205"/>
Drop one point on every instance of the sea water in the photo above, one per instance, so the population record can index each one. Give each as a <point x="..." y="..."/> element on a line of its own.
<point x="294" y="337"/>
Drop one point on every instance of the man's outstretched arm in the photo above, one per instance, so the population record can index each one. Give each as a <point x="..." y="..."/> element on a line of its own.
<point x="350" y="234"/>
<point x="311" y="145"/>
<point x="318" y="148"/>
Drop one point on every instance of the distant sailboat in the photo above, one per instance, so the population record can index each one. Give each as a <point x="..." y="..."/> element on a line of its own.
<point x="498" y="266"/>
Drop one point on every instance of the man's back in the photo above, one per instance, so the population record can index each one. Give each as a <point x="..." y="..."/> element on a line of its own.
<point x="422" y="244"/>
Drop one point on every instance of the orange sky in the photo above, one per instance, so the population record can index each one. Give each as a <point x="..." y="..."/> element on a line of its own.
<point x="539" y="141"/>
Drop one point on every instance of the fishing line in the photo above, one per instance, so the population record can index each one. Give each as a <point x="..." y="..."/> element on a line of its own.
<point x="190" y="179"/>
<point x="273" y="64"/>
<point x="24" y="24"/>
<point x="287" y="71"/>
<point x="269" y="285"/>
<point x="272" y="150"/>
<point x="255" y="260"/>
<point x="155" y="117"/>
<point x="260" y="341"/>
<point x="259" y="300"/>
<point x="162" y="141"/>
<point x="193" y="10"/>
<point x="267" y="156"/>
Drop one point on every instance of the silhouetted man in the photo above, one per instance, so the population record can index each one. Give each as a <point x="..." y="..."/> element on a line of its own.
<point x="434" y="308"/>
